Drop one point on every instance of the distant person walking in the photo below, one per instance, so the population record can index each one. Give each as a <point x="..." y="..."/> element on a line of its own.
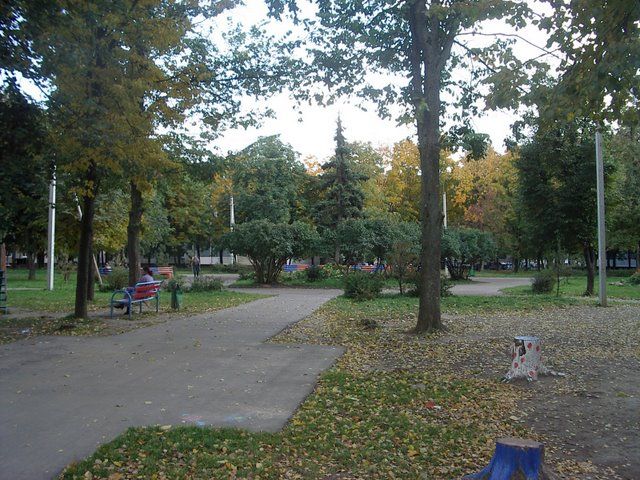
<point x="195" y="265"/>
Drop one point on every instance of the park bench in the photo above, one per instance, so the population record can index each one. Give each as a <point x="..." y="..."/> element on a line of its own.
<point x="371" y="268"/>
<point x="166" y="272"/>
<point x="295" y="267"/>
<point x="105" y="270"/>
<point x="141" y="293"/>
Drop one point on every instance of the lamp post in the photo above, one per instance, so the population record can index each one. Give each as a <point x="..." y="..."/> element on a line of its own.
<point x="51" y="232"/>
<point x="602" y="245"/>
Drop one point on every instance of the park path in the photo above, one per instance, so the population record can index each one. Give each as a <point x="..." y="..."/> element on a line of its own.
<point x="61" y="397"/>
<point x="489" y="286"/>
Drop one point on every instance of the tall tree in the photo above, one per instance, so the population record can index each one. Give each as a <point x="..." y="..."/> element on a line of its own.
<point x="341" y="187"/>
<point x="25" y="174"/>
<point x="624" y="149"/>
<point x="266" y="179"/>
<point x="557" y="190"/>
<point x="414" y="40"/>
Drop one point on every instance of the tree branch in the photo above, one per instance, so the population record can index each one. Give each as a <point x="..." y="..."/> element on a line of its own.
<point x="511" y="35"/>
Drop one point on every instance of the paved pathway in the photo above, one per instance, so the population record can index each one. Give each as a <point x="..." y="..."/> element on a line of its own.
<point x="489" y="286"/>
<point x="60" y="397"/>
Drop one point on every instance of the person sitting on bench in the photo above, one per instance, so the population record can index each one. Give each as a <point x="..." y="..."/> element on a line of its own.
<point x="147" y="277"/>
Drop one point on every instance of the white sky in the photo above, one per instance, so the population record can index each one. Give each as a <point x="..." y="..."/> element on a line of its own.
<point x="311" y="131"/>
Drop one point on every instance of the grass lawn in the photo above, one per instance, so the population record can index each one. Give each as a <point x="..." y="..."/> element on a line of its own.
<point x="49" y="305"/>
<point x="393" y="407"/>
<point x="575" y="286"/>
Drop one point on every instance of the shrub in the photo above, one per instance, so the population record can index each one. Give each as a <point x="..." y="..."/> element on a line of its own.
<point x="175" y="284"/>
<point x="544" y="281"/>
<point x="206" y="284"/>
<point x="117" y="279"/>
<point x="634" y="279"/>
<point x="331" y="270"/>
<point x="315" y="272"/>
<point x="362" y="286"/>
<point x="247" y="275"/>
<point x="445" y="285"/>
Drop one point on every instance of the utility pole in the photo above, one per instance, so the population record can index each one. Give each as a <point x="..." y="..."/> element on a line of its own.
<point x="602" y="245"/>
<point x="444" y="207"/>
<point x="51" y="232"/>
<point x="232" y="222"/>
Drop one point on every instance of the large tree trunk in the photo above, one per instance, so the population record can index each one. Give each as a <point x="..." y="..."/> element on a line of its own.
<point x="430" y="49"/>
<point x="428" y="119"/>
<point x="133" y="234"/>
<point x="3" y="257"/>
<point x="516" y="265"/>
<point x="590" y="260"/>
<point x="93" y="274"/>
<point x="638" y="257"/>
<point x="84" y="253"/>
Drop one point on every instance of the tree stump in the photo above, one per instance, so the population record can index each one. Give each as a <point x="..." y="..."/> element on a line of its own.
<point x="526" y="359"/>
<point x="515" y="459"/>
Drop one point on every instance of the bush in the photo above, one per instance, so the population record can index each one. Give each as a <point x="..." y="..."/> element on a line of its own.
<point x="117" y="279"/>
<point x="634" y="279"/>
<point x="175" y="284"/>
<point x="544" y="281"/>
<point x="315" y="272"/>
<point x="362" y="286"/>
<point x="247" y="276"/>
<point x="445" y="285"/>
<point x="206" y="284"/>
<point x="331" y="270"/>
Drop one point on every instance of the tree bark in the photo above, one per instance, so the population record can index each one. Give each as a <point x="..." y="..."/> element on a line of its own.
<point x="638" y="257"/>
<point x="84" y="253"/>
<point x="133" y="234"/>
<point x="428" y="126"/>
<point x="31" y="265"/>
<point x="516" y="265"/>
<point x="590" y="260"/>
<point x="3" y="257"/>
<point x="91" y="279"/>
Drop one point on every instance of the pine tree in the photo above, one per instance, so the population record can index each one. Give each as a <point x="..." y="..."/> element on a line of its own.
<point x="341" y="186"/>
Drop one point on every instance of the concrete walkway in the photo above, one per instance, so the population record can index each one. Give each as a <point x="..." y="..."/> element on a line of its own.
<point x="61" y="397"/>
<point x="488" y="286"/>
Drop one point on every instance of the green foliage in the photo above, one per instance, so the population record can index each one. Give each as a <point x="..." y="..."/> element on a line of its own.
<point x="25" y="172"/>
<point x="544" y="281"/>
<point x="354" y="240"/>
<point x="268" y="245"/>
<point x="362" y="285"/>
<point x="205" y="284"/>
<point x="117" y="279"/>
<point x="601" y="58"/>
<point x="634" y="279"/>
<point x="341" y="186"/>
<point x="462" y="248"/>
<point x="315" y="272"/>
<point x="266" y="181"/>
<point x="175" y="284"/>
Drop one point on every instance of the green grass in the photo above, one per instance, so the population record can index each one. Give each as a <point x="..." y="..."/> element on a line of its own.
<point x="575" y="287"/>
<point x="505" y="273"/>
<point x="62" y="298"/>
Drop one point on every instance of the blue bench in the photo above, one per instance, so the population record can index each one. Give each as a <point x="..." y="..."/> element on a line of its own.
<point x="141" y="293"/>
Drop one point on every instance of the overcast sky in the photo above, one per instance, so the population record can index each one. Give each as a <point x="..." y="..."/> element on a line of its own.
<point x="311" y="132"/>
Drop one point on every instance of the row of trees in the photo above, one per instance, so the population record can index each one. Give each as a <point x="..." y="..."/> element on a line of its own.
<point x="120" y="75"/>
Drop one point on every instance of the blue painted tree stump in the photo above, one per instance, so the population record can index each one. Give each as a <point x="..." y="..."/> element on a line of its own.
<point x="515" y="459"/>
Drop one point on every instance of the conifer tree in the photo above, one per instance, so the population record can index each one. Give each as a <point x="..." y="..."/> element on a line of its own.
<point x="341" y="186"/>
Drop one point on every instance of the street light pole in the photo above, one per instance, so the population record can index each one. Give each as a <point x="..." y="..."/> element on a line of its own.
<point x="51" y="232"/>
<point x="602" y="245"/>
